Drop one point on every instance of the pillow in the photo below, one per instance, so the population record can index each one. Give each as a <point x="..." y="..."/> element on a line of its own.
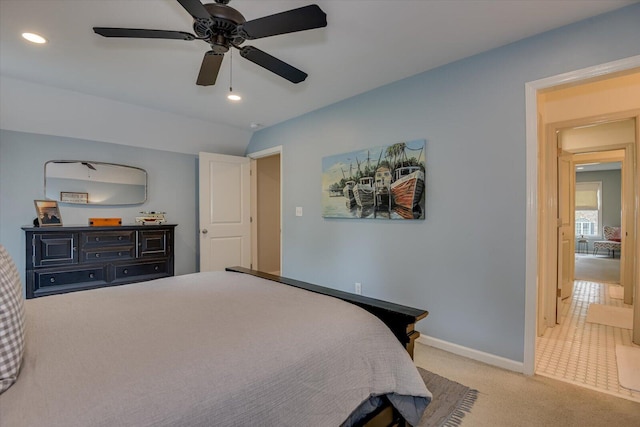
<point x="616" y="234"/>
<point x="612" y="233"/>
<point x="12" y="321"/>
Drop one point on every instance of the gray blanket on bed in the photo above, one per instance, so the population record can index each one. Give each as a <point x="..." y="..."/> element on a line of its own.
<point x="205" y="349"/>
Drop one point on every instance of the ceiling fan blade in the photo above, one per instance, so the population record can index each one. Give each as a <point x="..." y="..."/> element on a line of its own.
<point x="301" y="19"/>
<point x="195" y="9"/>
<point x="140" y="33"/>
<point x="209" y="68"/>
<point x="273" y="64"/>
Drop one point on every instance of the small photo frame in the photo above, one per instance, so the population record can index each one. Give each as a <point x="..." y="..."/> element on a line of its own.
<point x="48" y="213"/>
<point x="73" y="197"/>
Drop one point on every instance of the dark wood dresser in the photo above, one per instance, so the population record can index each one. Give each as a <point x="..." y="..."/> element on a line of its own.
<point x="67" y="259"/>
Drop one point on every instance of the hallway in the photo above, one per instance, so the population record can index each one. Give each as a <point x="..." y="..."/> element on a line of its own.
<point x="583" y="353"/>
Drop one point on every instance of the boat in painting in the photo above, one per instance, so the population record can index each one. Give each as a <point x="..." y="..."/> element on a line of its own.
<point x="383" y="186"/>
<point x="363" y="192"/>
<point x="348" y="193"/>
<point x="407" y="188"/>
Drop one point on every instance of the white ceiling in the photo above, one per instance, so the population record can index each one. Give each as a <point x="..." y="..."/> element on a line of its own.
<point x="367" y="44"/>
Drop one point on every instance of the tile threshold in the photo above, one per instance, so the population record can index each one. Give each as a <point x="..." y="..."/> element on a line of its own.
<point x="582" y="353"/>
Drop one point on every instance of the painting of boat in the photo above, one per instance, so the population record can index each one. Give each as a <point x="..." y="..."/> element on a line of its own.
<point x="347" y="191"/>
<point x="385" y="182"/>
<point x="363" y="192"/>
<point x="407" y="188"/>
<point x="383" y="186"/>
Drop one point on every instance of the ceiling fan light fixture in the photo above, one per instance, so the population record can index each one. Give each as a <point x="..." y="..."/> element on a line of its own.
<point x="34" y="38"/>
<point x="234" y="97"/>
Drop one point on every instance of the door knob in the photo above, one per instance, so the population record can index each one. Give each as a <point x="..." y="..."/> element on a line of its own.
<point x="205" y="231"/>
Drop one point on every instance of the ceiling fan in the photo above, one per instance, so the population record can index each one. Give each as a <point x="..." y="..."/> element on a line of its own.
<point x="224" y="27"/>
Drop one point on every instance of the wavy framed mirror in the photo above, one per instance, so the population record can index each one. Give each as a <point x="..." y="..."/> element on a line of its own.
<point x="94" y="183"/>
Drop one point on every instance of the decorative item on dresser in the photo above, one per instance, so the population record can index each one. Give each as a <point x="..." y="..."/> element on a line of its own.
<point x="48" y="213"/>
<point x="67" y="259"/>
<point x="105" y="222"/>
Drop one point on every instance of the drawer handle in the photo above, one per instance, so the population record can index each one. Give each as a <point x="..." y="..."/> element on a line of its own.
<point x="97" y="239"/>
<point x="91" y="275"/>
<point x="119" y="237"/>
<point x="125" y="271"/>
<point x="97" y="255"/>
<point x="119" y="253"/>
<point x="52" y="280"/>
<point x="157" y="267"/>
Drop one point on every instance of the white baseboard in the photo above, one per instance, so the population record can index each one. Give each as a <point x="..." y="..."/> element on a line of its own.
<point x="481" y="356"/>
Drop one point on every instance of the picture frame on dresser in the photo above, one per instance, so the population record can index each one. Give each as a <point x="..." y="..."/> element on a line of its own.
<point x="48" y="213"/>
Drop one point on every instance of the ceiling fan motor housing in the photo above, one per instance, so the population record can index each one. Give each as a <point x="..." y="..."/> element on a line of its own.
<point x="219" y="31"/>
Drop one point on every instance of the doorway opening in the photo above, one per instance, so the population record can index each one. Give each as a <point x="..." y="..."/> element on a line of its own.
<point x="534" y="183"/>
<point x="558" y="325"/>
<point x="266" y="210"/>
<point x="581" y="347"/>
<point x="236" y="229"/>
<point x="598" y="203"/>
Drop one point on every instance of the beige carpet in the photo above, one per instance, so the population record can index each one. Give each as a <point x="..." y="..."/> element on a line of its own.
<point x="509" y="399"/>
<point x="620" y="317"/>
<point x="628" y="359"/>
<point x="597" y="269"/>
<point x="616" y="292"/>
<point x="451" y="401"/>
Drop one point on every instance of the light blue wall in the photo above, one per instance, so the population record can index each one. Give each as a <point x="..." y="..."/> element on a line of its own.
<point x="466" y="262"/>
<point x="172" y="179"/>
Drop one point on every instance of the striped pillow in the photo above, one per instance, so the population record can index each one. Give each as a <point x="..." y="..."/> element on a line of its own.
<point x="12" y="320"/>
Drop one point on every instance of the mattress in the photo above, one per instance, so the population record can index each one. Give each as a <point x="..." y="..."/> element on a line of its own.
<point x="203" y="349"/>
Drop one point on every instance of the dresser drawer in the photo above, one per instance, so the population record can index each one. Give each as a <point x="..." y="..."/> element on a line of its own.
<point x="108" y="238"/>
<point x="148" y="270"/>
<point x="153" y="243"/>
<point x="108" y="254"/>
<point x="54" y="249"/>
<point x="94" y="276"/>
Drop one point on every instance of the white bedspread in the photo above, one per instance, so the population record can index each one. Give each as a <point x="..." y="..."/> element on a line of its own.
<point x="205" y="349"/>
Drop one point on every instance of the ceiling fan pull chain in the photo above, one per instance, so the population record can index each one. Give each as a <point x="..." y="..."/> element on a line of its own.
<point x="231" y="71"/>
<point x="232" y="96"/>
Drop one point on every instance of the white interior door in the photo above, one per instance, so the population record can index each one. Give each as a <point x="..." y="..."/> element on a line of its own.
<point x="225" y="214"/>
<point x="566" y="178"/>
<point x="628" y="256"/>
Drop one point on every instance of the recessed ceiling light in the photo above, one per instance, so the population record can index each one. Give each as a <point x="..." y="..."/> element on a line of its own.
<point x="34" y="38"/>
<point x="234" y="97"/>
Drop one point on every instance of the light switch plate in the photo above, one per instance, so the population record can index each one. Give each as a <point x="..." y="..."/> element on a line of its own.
<point x="299" y="211"/>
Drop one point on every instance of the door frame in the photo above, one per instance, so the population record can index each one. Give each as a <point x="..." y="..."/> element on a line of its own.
<point x="622" y="153"/>
<point x="550" y="259"/>
<point x="531" y="154"/>
<point x="254" y="156"/>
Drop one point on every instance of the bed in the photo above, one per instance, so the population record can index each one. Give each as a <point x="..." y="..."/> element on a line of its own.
<point x="232" y="348"/>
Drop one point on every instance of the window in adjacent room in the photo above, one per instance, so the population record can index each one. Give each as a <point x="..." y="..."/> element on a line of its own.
<point x="588" y="208"/>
